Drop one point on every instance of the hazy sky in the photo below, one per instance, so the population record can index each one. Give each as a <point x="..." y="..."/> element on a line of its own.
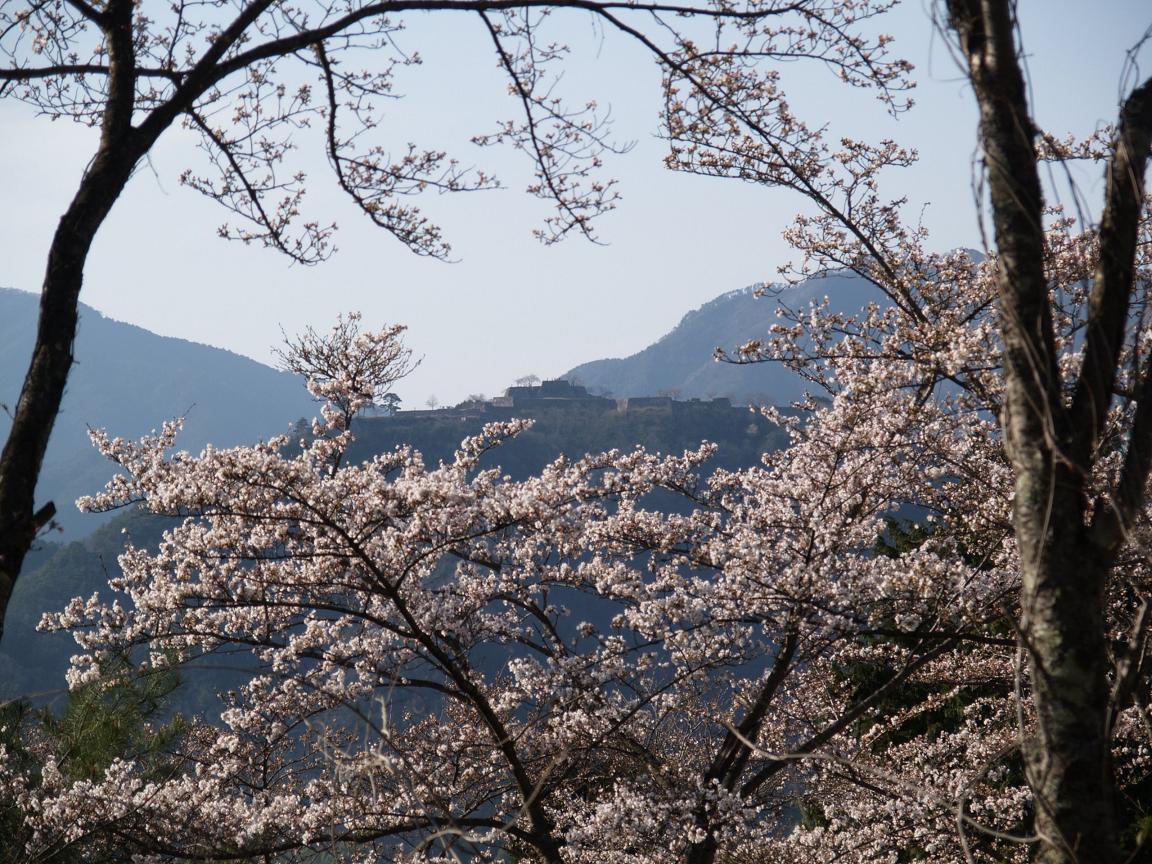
<point x="511" y="307"/>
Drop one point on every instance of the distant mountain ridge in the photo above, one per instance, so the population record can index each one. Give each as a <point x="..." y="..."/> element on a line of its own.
<point x="682" y="361"/>
<point x="129" y="381"/>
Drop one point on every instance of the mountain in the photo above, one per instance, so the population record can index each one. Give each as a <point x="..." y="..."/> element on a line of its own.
<point x="130" y="381"/>
<point x="33" y="663"/>
<point x="681" y="362"/>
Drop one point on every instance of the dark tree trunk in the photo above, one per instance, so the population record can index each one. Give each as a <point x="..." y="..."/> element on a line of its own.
<point x="1067" y="545"/>
<point x="43" y="388"/>
<point x="121" y="147"/>
<point x="1069" y="759"/>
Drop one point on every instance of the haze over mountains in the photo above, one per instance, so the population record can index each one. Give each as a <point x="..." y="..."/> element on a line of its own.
<point x="682" y="361"/>
<point x="130" y="381"/>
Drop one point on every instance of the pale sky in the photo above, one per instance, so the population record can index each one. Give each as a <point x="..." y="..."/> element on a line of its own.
<point x="511" y="307"/>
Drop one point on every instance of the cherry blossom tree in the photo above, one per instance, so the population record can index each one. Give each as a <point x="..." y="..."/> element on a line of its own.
<point x="1055" y="422"/>
<point x="348" y="361"/>
<point x="451" y="664"/>
<point x="251" y="78"/>
<point x="920" y="631"/>
<point x="1072" y="414"/>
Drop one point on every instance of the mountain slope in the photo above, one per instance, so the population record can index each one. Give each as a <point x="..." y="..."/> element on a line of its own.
<point x="33" y="663"/>
<point x="682" y="360"/>
<point x="130" y="381"/>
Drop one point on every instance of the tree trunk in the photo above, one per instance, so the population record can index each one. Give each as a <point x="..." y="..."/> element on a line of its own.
<point x="1069" y="760"/>
<point x="1065" y="562"/>
<point x="47" y="374"/>
<point x="121" y="147"/>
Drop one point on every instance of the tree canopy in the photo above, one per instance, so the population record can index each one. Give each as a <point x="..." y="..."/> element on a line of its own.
<point x="251" y="78"/>
<point x="918" y="631"/>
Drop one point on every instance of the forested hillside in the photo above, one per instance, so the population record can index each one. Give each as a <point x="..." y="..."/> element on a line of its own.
<point x="130" y="381"/>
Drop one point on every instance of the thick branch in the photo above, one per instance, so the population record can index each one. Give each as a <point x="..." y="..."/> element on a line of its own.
<point x="88" y="11"/>
<point x="1113" y="518"/>
<point x="846" y="719"/>
<point x="1064" y="573"/>
<point x="1034" y="418"/>
<point x="206" y="72"/>
<point x="37" y="73"/>
<point x="121" y="71"/>
<point x="1113" y="281"/>
<point x="733" y="755"/>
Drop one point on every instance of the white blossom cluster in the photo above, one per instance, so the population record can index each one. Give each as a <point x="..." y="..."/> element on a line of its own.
<point x="809" y="659"/>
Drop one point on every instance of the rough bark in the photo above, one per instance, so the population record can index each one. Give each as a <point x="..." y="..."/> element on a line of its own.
<point x="43" y="389"/>
<point x="122" y="145"/>
<point x="1065" y="564"/>
<point x="47" y="374"/>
